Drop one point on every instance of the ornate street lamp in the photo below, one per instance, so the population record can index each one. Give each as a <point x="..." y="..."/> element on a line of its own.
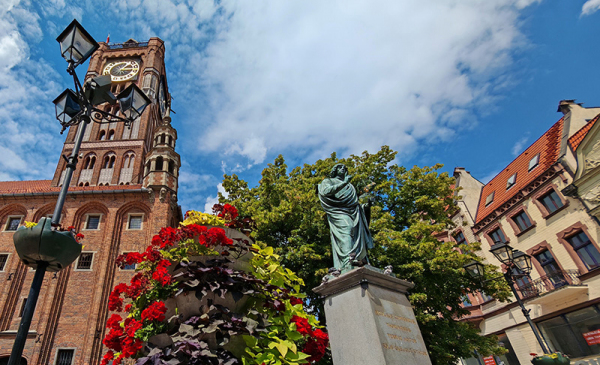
<point x="502" y="252"/>
<point x="43" y="247"/>
<point x="512" y="259"/>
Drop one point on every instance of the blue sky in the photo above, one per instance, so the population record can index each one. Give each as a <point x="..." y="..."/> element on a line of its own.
<point x="467" y="83"/>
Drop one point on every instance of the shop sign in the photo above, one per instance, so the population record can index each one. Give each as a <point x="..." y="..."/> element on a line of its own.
<point x="489" y="360"/>
<point x="592" y="338"/>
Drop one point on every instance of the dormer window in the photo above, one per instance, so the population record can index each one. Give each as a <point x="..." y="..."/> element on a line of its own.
<point x="511" y="181"/>
<point x="534" y="162"/>
<point x="489" y="199"/>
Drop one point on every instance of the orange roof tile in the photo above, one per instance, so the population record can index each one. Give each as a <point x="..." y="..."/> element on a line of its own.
<point x="43" y="186"/>
<point x="578" y="137"/>
<point x="547" y="146"/>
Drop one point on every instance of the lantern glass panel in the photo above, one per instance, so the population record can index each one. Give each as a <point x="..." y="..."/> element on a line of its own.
<point x="133" y="101"/>
<point x="503" y="252"/>
<point x="66" y="106"/>
<point x="76" y="45"/>
<point x="475" y="269"/>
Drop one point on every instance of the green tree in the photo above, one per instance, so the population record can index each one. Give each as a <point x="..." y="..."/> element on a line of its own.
<point x="411" y="206"/>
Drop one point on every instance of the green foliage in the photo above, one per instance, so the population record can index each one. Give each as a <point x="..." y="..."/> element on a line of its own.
<point x="411" y="206"/>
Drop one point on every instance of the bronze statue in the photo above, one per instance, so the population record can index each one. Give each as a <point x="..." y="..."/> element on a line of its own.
<point x="348" y="220"/>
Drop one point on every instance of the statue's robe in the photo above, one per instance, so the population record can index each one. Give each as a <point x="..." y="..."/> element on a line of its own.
<point x="347" y="222"/>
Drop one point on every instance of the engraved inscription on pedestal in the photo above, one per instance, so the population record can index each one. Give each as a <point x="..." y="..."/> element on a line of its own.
<point x="371" y="321"/>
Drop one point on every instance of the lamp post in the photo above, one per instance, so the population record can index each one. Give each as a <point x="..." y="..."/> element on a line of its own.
<point x="44" y="247"/>
<point x="513" y="259"/>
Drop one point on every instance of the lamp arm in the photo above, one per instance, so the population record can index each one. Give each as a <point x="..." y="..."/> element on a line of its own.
<point x="99" y="114"/>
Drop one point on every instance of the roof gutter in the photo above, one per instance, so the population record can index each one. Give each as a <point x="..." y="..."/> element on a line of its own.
<point x="78" y="192"/>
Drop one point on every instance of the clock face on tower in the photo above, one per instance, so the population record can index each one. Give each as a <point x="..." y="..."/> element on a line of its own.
<point x="121" y="70"/>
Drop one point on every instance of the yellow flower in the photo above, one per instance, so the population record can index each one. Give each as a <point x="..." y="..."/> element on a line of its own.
<point x="30" y="224"/>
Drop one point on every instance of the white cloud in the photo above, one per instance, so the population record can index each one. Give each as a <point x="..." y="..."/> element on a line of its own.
<point x="212" y="200"/>
<point x="309" y="78"/>
<point x="518" y="147"/>
<point x="31" y="142"/>
<point x="590" y="7"/>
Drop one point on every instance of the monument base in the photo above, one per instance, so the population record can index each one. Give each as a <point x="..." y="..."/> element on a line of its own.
<point x="370" y="320"/>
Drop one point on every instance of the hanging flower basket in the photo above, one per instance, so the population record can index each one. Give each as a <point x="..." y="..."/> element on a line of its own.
<point x="551" y="359"/>
<point x="40" y="243"/>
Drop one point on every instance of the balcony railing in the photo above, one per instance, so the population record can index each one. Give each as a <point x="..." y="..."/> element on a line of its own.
<point x="548" y="283"/>
<point x="127" y="45"/>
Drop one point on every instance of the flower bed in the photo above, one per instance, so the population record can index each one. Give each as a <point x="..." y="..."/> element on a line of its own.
<point x="551" y="359"/>
<point x="192" y="302"/>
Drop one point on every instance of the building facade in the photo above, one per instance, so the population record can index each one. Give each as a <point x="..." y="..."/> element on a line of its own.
<point x="544" y="203"/>
<point x="123" y="191"/>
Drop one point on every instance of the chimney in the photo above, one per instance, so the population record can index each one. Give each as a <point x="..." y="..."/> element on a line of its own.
<point x="565" y="106"/>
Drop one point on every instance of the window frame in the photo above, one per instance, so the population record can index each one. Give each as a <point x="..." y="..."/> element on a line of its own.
<point x="87" y="217"/>
<point x="536" y="250"/>
<point x="570" y="232"/>
<point x="76" y="268"/>
<point x="537" y="200"/>
<point x="514" y="224"/>
<point x="514" y="181"/>
<point x="129" y="216"/>
<point x="3" y="268"/>
<point x="460" y="232"/>
<point x="537" y="163"/>
<point x="65" y="348"/>
<point x="8" y="219"/>
<point x="134" y="265"/>
<point x="491" y="200"/>
<point x="487" y="234"/>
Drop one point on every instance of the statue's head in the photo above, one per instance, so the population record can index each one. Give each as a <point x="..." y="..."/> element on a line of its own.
<point x="338" y="170"/>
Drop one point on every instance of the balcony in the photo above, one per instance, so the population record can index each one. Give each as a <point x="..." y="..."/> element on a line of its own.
<point x="542" y="290"/>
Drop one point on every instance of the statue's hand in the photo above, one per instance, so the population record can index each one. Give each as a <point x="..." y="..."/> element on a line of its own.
<point x="347" y="178"/>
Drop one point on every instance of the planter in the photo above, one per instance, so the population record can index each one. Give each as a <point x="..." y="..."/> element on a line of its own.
<point x="555" y="358"/>
<point x="40" y="243"/>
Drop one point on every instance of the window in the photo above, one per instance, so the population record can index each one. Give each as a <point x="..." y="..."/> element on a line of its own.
<point x="111" y="135"/>
<point x="511" y="181"/>
<point x="551" y="201"/>
<point x="3" y="260"/>
<point x="93" y="222"/>
<point x="585" y="249"/>
<point x="465" y="301"/>
<point x="547" y="262"/>
<point x="567" y="332"/>
<point x="522" y="221"/>
<point x="460" y="238"/>
<point x="84" y="262"/>
<point x="534" y="162"/>
<point x="485" y="297"/>
<point x="128" y="267"/>
<point x="489" y="199"/>
<point x="102" y="135"/>
<point x="64" y="357"/>
<point x="12" y="223"/>
<point x="159" y="163"/>
<point x="22" y="307"/>
<point x="498" y="236"/>
<point x="135" y="221"/>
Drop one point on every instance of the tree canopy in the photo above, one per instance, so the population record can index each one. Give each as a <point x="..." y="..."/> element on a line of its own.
<point x="412" y="206"/>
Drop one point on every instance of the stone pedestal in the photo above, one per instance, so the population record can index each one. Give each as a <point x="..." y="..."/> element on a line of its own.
<point x="370" y="320"/>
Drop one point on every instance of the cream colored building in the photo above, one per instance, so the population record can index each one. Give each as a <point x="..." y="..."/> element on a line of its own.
<point x="546" y="203"/>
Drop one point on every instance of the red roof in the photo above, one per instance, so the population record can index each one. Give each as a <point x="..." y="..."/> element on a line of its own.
<point x="548" y="146"/>
<point x="43" y="186"/>
<point x="578" y="137"/>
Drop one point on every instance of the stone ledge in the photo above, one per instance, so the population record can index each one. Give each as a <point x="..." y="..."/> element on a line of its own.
<point x="364" y="275"/>
<point x="13" y="334"/>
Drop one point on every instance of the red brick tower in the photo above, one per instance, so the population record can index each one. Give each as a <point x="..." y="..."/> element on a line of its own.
<point x="123" y="191"/>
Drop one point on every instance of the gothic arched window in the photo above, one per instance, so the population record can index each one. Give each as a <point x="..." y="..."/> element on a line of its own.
<point x="111" y="134"/>
<point x="102" y="135"/>
<point x="171" y="166"/>
<point x="159" y="163"/>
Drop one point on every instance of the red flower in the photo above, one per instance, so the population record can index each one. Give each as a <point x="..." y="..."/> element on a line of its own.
<point x="115" y="302"/>
<point x="302" y="325"/>
<point x="216" y="236"/>
<point x="114" y="321"/>
<point x="131" y="326"/>
<point x="295" y="301"/>
<point x="129" y="258"/>
<point x="70" y="228"/>
<point x="315" y="349"/>
<point x="155" y="312"/>
<point x="320" y="335"/>
<point x="79" y="237"/>
<point x="107" y="357"/>
<point x="113" y="339"/>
